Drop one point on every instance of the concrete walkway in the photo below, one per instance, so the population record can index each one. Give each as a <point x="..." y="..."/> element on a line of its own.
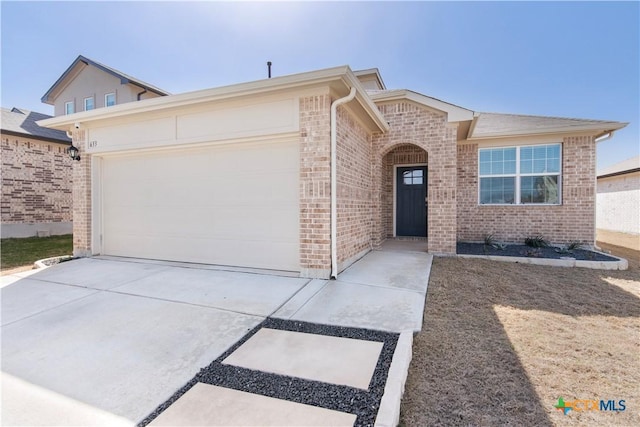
<point x="105" y="341"/>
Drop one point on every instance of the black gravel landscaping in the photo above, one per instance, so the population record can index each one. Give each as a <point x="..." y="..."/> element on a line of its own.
<point x="516" y="250"/>
<point x="363" y="403"/>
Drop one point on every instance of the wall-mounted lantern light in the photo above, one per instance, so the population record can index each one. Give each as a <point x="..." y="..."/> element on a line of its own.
<point x="74" y="153"/>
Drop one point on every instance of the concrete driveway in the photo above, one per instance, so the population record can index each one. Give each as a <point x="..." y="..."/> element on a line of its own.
<point x="105" y="341"/>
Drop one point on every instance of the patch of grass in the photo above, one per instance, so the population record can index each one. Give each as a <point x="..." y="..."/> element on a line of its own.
<point x="23" y="252"/>
<point x="501" y="342"/>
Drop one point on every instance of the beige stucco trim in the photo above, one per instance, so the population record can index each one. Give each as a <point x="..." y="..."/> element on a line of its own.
<point x="340" y="79"/>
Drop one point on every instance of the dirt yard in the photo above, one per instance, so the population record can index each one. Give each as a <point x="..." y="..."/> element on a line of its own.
<point x="502" y="342"/>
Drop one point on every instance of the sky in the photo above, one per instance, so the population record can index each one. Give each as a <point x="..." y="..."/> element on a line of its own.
<point x="573" y="59"/>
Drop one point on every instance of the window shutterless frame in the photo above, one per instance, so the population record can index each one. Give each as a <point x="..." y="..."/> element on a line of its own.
<point x="521" y="173"/>
<point x="69" y="107"/>
<point x="109" y="99"/>
<point x="88" y="104"/>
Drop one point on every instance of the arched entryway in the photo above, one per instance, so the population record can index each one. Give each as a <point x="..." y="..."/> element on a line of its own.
<point x="404" y="195"/>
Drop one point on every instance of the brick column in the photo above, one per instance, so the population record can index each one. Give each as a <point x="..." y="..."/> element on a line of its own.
<point x="81" y="198"/>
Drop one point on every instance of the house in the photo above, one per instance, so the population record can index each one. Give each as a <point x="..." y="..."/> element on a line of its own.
<point x="618" y="204"/>
<point x="36" y="177"/>
<point x="87" y="85"/>
<point x="309" y="172"/>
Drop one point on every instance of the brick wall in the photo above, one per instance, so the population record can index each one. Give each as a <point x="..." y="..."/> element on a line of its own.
<point x="354" y="185"/>
<point x="315" y="186"/>
<point x="81" y="198"/>
<point x="427" y="129"/>
<point x="36" y="181"/>
<point x="572" y="220"/>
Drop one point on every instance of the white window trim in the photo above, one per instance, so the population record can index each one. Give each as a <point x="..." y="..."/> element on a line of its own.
<point x="115" y="101"/>
<point x="84" y="103"/>
<point x="518" y="175"/>
<point x="73" y="107"/>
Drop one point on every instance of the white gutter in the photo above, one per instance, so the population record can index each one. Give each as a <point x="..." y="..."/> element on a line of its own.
<point x="334" y="182"/>
<point x="604" y="136"/>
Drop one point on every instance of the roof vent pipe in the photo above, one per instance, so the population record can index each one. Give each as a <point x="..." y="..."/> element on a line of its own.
<point x="269" y="68"/>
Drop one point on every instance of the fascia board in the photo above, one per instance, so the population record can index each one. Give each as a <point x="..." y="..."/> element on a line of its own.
<point x="201" y="96"/>
<point x="597" y="127"/>
<point x="342" y="73"/>
<point x="367" y="103"/>
<point x="454" y="113"/>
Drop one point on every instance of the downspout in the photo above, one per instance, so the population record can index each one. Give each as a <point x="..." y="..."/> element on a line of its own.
<point x="141" y="93"/>
<point x="334" y="182"/>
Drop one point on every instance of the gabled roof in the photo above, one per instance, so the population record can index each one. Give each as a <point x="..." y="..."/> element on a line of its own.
<point x="339" y="79"/>
<point x="23" y="122"/>
<point x="370" y="74"/>
<point x="626" y="166"/>
<point x="496" y="125"/>
<point x="81" y="62"/>
<point x="454" y="112"/>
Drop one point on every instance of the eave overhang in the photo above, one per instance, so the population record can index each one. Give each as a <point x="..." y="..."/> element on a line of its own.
<point x="339" y="79"/>
<point x="454" y="113"/>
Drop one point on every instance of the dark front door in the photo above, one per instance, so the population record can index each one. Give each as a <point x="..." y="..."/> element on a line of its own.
<point x="411" y="205"/>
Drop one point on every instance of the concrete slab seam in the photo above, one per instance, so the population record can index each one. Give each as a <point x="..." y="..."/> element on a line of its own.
<point x="182" y="302"/>
<point x="54" y="307"/>
<point x="292" y="296"/>
<point x="308" y="299"/>
<point x="389" y="412"/>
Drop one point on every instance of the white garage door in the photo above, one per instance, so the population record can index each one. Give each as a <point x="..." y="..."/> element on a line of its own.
<point x="230" y="205"/>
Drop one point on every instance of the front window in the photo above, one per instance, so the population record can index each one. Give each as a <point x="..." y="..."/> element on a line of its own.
<point x="109" y="99"/>
<point x="520" y="175"/>
<point x="88" y="104"/>
<point x="69" y="108"/>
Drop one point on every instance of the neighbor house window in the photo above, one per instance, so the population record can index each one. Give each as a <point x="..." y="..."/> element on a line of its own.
<point x="109" y="99"/>
<point x="88" y="104"/>
<point x="520" y="175"/>
<point x="69" y="108"/>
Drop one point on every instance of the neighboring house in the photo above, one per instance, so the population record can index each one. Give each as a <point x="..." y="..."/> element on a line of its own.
<point x="309" y="172"/>
<point x="618" y="204"/>
<point x="36" y="177"/>
<point x="87" y="85"/>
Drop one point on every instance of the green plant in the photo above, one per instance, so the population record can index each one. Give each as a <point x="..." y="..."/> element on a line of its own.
<point x="569" y="248"/>
<point x="536" y="242"/>
<point x="490" y="241"/>
<point x="574" y="245"/>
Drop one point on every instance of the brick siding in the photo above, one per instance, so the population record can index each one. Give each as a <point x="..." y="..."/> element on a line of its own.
<point x="315" y="186"/>
<point x="354" y="185"/>
<point x="572" y="220"/>
<point x="428" y="130"/>
<point x="81" y="198"/>
<point x="36" y="181"/>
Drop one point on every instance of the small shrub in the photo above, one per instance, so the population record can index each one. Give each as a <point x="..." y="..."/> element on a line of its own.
<point x="574" y="245"/>
<point x="490" y="241"/>
<point x="536" y="242"/>
<point x="569" y="248"/>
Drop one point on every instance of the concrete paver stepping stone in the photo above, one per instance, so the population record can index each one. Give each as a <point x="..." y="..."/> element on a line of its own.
<point x="209" y="405"/>
<point x="335" y="360"/>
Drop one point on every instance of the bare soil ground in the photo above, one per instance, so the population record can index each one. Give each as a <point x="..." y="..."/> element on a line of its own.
<point x="502" y="342"/>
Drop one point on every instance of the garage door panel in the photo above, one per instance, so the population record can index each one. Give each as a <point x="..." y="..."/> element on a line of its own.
<point x="220" y="205"/>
